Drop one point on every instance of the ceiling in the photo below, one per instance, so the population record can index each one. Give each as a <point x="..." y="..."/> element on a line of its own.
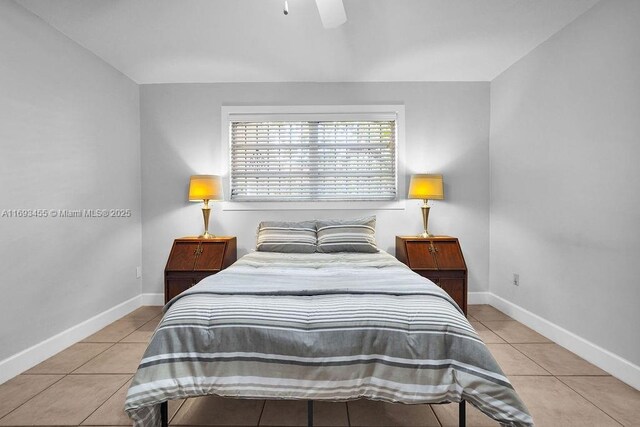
<point x="178" y="41"/>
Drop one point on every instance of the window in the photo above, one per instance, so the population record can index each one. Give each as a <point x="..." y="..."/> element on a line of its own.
<point x="313" y="157"/>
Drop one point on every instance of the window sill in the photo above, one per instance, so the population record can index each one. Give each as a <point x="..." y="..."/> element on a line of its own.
<point x="312" y="206"/>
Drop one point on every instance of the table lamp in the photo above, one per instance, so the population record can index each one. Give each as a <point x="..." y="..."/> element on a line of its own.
<point x="426" y="187"/>
<point x="205" y="188"/>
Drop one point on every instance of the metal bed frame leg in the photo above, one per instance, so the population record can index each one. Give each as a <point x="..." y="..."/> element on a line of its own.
<point x="310" y="413"/>
<point x="462" y="414"/>
<point x="164" y="413"/>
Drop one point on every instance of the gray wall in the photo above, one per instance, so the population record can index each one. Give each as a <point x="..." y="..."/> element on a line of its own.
<point x="69" y="139"/>
<point x="447" y="131"/>
<point x="565" y="179"/>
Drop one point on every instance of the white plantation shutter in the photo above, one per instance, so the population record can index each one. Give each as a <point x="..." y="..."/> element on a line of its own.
<point x="302" y="160"/>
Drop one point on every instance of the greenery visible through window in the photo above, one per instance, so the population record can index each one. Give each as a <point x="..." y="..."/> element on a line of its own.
<point x="313" y="160"/>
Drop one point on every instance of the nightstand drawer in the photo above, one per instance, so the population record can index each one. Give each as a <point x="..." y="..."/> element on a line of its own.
<point x="175" y="287"/>
<point x="455" y="288"/>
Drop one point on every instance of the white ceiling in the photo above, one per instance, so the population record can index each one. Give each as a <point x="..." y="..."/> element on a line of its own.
<point x="171" y="41"/>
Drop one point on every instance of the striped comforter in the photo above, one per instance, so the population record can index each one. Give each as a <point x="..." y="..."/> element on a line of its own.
<point x="321" y="327"/>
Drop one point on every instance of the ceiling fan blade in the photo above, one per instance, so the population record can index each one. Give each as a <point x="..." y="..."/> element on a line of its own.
<point x="332" y="13"/>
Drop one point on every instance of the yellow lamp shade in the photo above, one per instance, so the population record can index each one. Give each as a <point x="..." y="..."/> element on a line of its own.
<point x="426" y="187"/>
<point x="205" y="187"/>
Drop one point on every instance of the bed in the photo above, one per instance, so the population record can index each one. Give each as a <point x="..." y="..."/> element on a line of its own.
<point x="338" y="327"/>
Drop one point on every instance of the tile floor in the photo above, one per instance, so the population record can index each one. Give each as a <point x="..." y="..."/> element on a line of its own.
<point x="86" y="385"/>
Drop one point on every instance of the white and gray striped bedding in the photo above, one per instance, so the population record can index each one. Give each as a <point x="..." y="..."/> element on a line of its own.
<point x="323" y="327"/>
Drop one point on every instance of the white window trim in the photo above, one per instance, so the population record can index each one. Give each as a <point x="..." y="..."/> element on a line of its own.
<point x="231" y="112"/>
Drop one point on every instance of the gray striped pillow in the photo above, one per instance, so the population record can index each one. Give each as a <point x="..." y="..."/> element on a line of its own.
<point x="289" y="237"/>
<point x="356" y="235"/>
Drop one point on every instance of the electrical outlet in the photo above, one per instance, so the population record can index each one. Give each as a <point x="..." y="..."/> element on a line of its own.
<point x="516" y="279"/>
<point x="138" y="272"/>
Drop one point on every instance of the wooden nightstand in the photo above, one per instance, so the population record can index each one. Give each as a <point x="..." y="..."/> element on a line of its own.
<point x="192" y="259"/>
<point x="439" y="259"/>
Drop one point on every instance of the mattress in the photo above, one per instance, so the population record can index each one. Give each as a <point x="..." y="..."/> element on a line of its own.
<point x="317" y="326"/>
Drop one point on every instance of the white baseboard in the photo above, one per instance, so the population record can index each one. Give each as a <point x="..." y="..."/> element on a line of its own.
<point x="478" y="297"/>
<point x="617" y="366"/>
<point x="152" y="299"/>
<point x="26" y="359"/>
